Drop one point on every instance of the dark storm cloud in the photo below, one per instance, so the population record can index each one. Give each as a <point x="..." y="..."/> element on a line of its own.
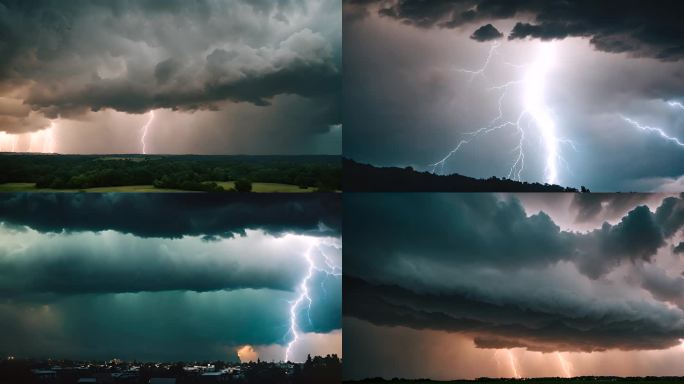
<point x="670" y="215"/>
<point x="65" y="58"/>
<point x="174" y="215"/>
<point x="36" y="268"/>
<point x="486" y="33"/>
<point x="648" y="30"/>
<point x="483" y="230"/>
<point x="89" y="264"/>
<point x="479" y="264"/>
<point x="514" y="324"/>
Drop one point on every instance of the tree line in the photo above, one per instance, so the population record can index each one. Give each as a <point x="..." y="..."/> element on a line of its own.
<point x="193" y="173"/>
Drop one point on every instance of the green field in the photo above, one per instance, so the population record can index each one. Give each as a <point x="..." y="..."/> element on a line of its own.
<point x="227" y="185"/>
<point x="267" y="187"/>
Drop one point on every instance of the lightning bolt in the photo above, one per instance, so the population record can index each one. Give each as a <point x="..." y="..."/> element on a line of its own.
<point x="659" y="131"/>
<point x="511" y="359"/>
<point x="676" y="104"/>
<point x="565" y="366"/>
<point x="535" y="111"/>
<point x="481" y="71"/>
<point x="304" y="297"/>
<point x="647" y="128"/>
<point x="145" y="128"/>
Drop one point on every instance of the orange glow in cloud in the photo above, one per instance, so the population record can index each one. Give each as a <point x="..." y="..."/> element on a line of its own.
<point x="247" y="354"/>
<point x="440" y="355"/>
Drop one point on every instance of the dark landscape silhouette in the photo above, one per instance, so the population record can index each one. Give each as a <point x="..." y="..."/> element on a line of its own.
<point x="358" y="177"/>
<point x="535" y="380"/>
<point x="315" y="370"/>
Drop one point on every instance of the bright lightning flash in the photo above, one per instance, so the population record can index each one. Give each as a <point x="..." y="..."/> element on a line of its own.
<point x="145" y="128"/>
<point x="659" y="131"/>
<point x="676" y="104"/>
<point x="535" y="111"/>
<point x="514" y="367"/>
<point x="304" y="297"/>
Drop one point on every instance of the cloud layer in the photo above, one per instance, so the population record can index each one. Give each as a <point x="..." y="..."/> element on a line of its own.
<point x="613" y="26"/>
<point x="174" y="215"/>
<point x="243" y="71"/>
<point x="483" y="266"/>
<point x="164" y="277"/>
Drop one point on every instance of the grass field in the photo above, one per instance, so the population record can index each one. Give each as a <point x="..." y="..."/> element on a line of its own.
<point x="227" y="185"/>
<point x="267" y="187"/>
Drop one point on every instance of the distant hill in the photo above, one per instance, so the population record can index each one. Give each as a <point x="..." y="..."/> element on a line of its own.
<point x="358" y="177"/>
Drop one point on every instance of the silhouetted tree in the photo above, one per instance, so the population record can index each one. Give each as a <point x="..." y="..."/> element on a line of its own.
<point x="243" y="185"/>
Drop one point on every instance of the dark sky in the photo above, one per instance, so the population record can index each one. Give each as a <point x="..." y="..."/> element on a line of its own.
<point x="416" y="85"/>
<point x="528" y="285"/>
<point x="83" y="76"/>
<point x="168" y="277"/>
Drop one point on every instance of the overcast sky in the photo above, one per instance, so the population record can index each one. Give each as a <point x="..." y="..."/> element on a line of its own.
<point x="222" y="77"/>
<point x="468" y="285"/>
<point x="416" y="83"/>
<point x="168" y="277"/>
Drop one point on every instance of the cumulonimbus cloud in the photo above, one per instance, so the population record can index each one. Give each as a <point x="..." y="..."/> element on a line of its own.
<point x="67" y="58"/>
<point x="174" y="216"/>
<point x="479" y="264"/>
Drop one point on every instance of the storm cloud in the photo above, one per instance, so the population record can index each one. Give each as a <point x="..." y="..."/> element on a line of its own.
<point x="174" y="215"/>
<point x="646" y="30"/>
<point x="418" y="84"/>
<point x="141" y="55"/>
<point x="241" y="70"/>
<point x="485" y="33"/>
<point x="483" y="266"/>
<point x="157" y="276"/>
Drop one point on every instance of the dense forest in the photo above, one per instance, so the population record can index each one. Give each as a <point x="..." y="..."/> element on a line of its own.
<point x="360" y="177"/>
<point x="185" y="172"/>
